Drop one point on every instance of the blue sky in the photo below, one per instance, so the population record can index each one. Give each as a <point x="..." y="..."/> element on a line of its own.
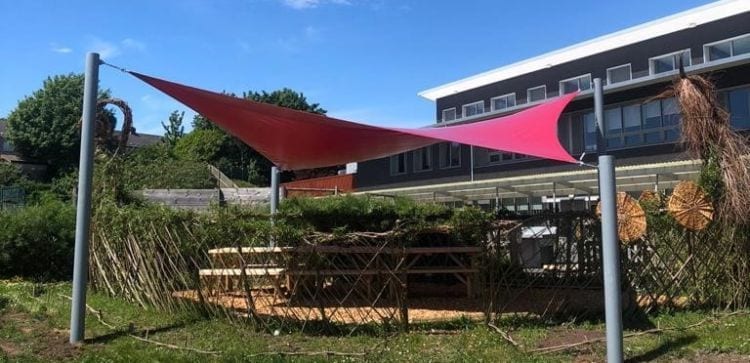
<point x="362" y="60"/>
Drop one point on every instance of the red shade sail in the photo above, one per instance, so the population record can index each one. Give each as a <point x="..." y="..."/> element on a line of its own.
<point x="295" y="140"/>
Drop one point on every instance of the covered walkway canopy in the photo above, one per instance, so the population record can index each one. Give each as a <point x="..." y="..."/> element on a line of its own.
<point x="631" y="178"/>
<point x="295" y="140"/>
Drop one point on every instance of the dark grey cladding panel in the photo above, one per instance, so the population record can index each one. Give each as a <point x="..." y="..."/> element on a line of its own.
<point x="637" y="55"/>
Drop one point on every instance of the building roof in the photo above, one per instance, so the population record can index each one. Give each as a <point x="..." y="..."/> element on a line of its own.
<point x="670" y="24"/>
<point x="141" y="140"/>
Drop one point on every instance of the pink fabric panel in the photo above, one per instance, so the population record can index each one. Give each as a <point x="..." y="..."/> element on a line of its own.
<point x="300" y="140"/>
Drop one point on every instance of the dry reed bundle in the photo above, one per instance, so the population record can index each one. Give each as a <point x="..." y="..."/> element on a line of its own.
<point x="631" y="219"/>
<point x="707" y="134"/>
<point x="690" y="206"/>
<point x="104" y="129"/>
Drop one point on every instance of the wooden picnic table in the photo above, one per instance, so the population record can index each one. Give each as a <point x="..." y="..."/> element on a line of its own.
<point x="366" y="261"/>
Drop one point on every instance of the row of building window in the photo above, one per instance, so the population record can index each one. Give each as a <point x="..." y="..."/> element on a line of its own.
<point x="449" y="157"/>
<point x="626" y="125"/>
<point x="660" y="64"/>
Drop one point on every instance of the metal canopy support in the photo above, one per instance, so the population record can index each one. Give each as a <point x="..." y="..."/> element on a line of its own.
<point x="274" y="197"/>
<point x="610" y="242"/>
<point x="83" y="206"/>
<point x="554" y="197"/>
<point x="471" y="162"/>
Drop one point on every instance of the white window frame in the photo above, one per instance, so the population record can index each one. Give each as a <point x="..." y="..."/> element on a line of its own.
<point x="731" y="46"/>
<point x="418" y="161"/>
<point x="463" y="108"/>
<point x="528" y="92"/>
<point x="676" y="66"/>
<point x="560" y="84"/>
<point x="455" y="114"/>
<point x="394" y="171"/>
<point x="630" y="71"/>
<point x="492" y="101"/>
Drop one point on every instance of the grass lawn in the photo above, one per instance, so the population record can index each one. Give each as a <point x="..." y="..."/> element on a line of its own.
<point x="34" y="320"/>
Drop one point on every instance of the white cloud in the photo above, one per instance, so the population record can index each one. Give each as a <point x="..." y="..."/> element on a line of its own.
<point x="60" y="49"/>
<point x="308" y="4"/>
<point x="312" y="33"/>
<point x="106" y="50"/>
<point x="130" y="43"/>
<point x="109" y="50"/>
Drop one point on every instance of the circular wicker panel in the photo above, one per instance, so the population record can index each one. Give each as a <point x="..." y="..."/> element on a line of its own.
<point x="649" y="196"/>
<point x="631" y="219"/>
<point x="690" y="206"/>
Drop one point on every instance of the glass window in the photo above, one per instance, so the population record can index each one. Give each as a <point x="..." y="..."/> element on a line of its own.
<point x="739" y="107"/>
<point x="741" y="46"/>
<point x="653" y="137"/>
<point x="423" y="159"/>
<point x="398" y="164"/>
<point x="669" y="62"/>
<point x="651" y="115"/>
<point x="450" y="155"/>
<point x="536" y="94"/>
<point x="509" y="204"/>
<point x="719" y="51"/>
<point x="631" y="118"/>
<point x="449" y="114"/>
<point x="631" y="140"/>
<point x="590" y="132"/>
<point x="727" y="48"/>
<point x="613" y="120"/>
<point x="672" y="135"/>
<point x="473" y="109"/>
<point x="495" y="157"/>
<point x="619" y="74"/>
<point x="614" y="142"/>
<point x="503" y="102"/>
<point x="575" y="84"/>
<point x="670" y="111"/>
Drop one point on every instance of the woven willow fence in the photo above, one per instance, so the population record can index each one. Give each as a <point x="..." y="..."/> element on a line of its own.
<point x="547" y="266"/>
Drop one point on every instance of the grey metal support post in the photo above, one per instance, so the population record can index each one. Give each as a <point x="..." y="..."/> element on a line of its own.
<point x="610" y="259"/>
<point x="601" y="143"/>
<point x="274" y="190"/>
<point x="83" y="207"/>
<point x="471" y="162"/>
<point x="274" y="198"/>
<point x="610" y="241"/>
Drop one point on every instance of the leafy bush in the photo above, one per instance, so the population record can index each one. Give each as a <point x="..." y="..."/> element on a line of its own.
<point x="9" y="174"/>
<point x="366" y="213"/>
<point x="37" y="241"/>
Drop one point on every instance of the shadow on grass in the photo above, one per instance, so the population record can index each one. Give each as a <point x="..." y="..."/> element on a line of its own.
<point x="669" y="345"/>
<point x="141" y="333"/>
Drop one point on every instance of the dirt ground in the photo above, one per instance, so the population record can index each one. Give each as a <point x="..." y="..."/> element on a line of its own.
<point x="48" y="343"/>
<point x="423" y="309"/>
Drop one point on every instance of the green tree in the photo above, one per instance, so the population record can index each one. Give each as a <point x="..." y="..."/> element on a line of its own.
<point x="240" y="161"/>
<point x="173" y="129"/>
<point x="45" y="125"/>
<point x="285" y="97"/>
<point x="201" y="145"/>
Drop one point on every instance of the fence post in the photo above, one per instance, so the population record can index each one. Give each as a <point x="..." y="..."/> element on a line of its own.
<point x="83" y="208"/>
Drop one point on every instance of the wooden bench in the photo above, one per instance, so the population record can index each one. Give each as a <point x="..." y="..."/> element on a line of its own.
<point x="459" y="262"/>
